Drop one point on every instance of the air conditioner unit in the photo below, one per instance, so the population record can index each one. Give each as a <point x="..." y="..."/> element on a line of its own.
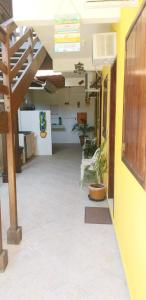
<point x="104" y="48"/>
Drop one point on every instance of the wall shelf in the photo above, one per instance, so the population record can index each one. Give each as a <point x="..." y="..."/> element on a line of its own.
<point x="56" y="127"/>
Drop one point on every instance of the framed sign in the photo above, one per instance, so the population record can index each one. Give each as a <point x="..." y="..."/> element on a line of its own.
<point x="67" y="34"/>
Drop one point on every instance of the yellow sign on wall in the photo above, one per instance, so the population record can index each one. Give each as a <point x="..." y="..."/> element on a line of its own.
<point x="67" y="34"/>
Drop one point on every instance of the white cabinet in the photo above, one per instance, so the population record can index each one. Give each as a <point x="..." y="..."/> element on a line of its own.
<point x="27" y="141"/>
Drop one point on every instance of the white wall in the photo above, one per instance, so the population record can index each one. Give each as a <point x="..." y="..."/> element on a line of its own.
<point x="68" y="113"/>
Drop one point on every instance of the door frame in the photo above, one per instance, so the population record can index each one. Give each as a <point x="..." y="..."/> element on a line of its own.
<point x="112" y="121"/>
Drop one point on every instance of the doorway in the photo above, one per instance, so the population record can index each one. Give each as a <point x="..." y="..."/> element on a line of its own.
<point x="112" y="135"/>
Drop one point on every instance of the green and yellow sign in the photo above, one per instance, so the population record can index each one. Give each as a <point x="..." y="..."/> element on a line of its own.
<point x="67" y="34"/>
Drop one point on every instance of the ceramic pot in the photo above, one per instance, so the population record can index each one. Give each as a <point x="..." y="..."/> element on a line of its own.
<point x="97" y="192"/>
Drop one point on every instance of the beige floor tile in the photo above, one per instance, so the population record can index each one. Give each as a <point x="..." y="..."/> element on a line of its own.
<point x="60" y="257"/>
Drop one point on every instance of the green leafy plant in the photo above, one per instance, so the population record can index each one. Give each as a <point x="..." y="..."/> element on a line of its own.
<point x="82" y="129"/>
<point x="100" y="165"/>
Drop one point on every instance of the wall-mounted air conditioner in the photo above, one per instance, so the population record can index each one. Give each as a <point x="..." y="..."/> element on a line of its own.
<point x="104" y="48"/>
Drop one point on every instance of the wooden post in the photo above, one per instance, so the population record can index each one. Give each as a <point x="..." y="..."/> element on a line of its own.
<point x="4" y="150"/>
<point x="3" y="253"/>
<point x="14" y="234"/>
<point x="4" y="155"/>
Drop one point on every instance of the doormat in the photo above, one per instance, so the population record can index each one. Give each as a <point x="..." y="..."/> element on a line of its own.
<point x="97" y="215"/>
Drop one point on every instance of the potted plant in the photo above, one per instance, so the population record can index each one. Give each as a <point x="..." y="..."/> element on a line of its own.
<point x="97" y="190"/>
<point x="83" y="131"/>
<point x="94" y="175"/>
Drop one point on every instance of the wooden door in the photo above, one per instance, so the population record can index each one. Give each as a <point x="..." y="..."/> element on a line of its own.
<point x="112" y="132"/>
<point x="104" y="116"/>
<point x="134" y="116"/>
<point x="99" y="105"/>
<point x="82" y="118"/>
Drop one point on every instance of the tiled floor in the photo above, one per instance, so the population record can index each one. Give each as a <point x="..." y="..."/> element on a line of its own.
<point x="60" y="257"/>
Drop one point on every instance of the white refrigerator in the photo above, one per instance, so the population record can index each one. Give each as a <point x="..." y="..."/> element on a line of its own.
<point x="30" y="121"/>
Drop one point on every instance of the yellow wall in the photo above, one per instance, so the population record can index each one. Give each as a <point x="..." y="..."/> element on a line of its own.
<point x="130" y="198"/>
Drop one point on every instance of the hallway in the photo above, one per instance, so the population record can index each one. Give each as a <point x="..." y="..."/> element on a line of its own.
<point x="60" y="257"/>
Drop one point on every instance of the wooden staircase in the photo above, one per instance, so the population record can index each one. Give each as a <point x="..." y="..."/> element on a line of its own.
<point x="14" y="61"/>
<point x="21" y="55"/>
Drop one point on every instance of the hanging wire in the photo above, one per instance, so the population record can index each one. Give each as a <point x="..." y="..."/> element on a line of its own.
<point x="62" y="6"/>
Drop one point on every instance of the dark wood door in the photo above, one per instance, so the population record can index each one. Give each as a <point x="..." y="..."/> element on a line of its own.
<point x="99" y="105"/>
<point x="104" y="117"/>
<point x="112" y="132"/>
<point x="82" y="118"/>
<point x="134" y="116"/>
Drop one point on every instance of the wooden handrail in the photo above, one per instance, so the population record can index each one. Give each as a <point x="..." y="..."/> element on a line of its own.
<point x="20" y="63"/>
<point x="3" y="122"/>
<point x="20" y="42"/>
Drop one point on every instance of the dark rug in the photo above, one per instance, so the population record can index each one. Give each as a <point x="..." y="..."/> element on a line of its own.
<point x="97" y="215"/>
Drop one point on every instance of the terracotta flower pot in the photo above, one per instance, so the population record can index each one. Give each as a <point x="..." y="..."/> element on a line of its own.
<point x="97" y="192"/>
